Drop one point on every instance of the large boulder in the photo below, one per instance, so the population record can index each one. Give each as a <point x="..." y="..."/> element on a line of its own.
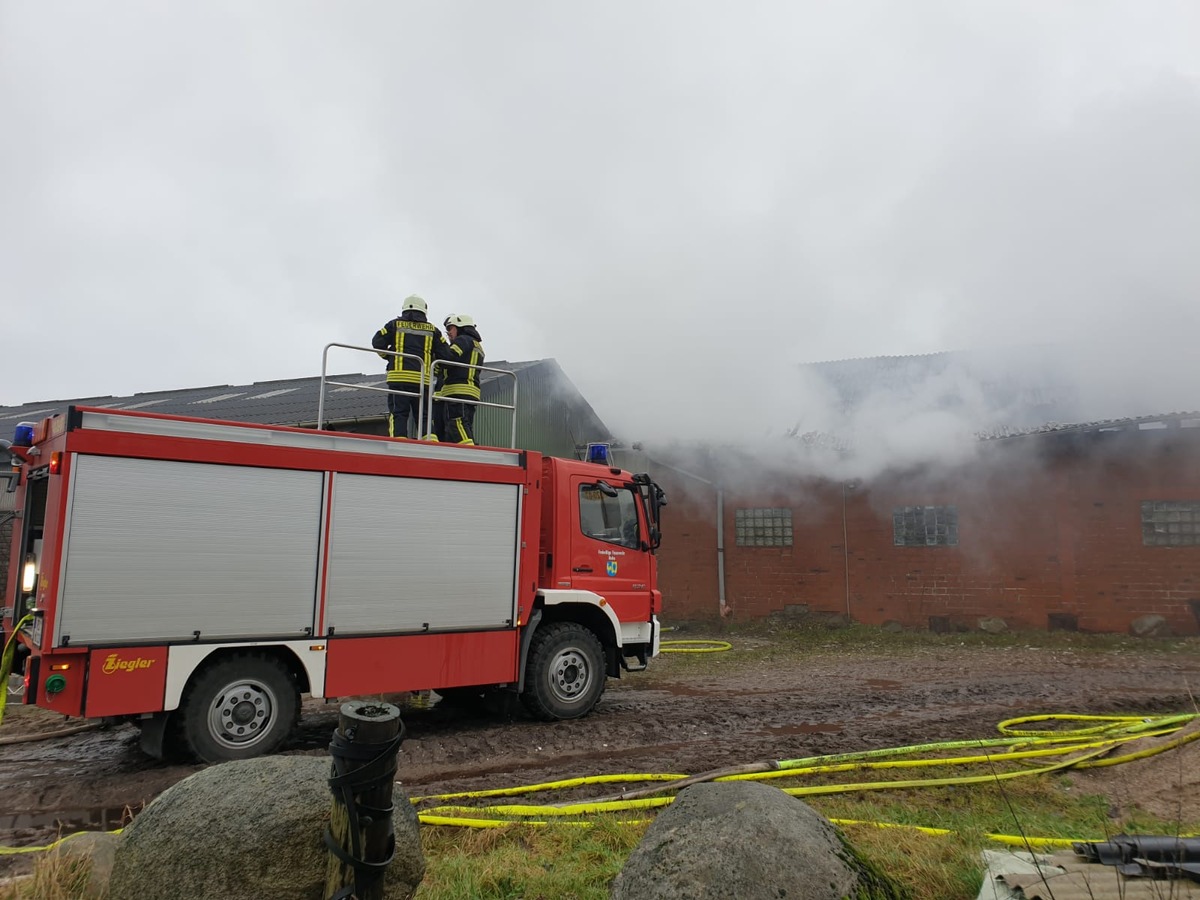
<point x="252" y="828"/>
<point x="993" y="625"/>
<point x="744" y="840"/>
<point x="1150" y="626"/>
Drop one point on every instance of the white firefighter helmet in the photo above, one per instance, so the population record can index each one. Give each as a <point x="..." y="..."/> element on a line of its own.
<point x="412" y="301"/>
<point x="458" y="320"/>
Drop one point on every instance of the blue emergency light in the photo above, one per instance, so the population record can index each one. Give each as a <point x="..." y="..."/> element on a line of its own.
<point x="597" y="453"/>
<point x="23" y="435"/>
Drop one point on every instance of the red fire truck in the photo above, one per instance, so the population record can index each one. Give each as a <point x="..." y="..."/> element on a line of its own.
<point x="199" y="576"/>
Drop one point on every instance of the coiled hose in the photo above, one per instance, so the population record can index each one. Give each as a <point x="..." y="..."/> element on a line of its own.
<point x="694" y="646"/>
<point x="1022" y="750"/>
<point x="1068" y="741"/>
<point x="1035" y="751"/>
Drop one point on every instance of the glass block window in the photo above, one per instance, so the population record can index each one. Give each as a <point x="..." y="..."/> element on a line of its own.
<point x="763" y="527"/>
<point x="1171" y="523"/>
<point x="925" y="526"/>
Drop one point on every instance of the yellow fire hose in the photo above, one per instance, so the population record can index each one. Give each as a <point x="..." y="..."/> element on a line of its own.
<point x="1034" y="751"/>
<point x="1055" y="749"/>
<point x="6" y="662"/>
<point x="694" y="646"/>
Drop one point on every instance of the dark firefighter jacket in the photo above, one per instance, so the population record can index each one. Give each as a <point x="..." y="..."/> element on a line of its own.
<point x="413" y="335"/>
<point x="460" y="381"/>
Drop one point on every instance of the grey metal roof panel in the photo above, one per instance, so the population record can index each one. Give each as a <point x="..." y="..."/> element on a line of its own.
<point x="552" y="415"/>
<point x="1137" y="423"/>
<point x="1026" y="385"/>
<point x="280" y="402"/>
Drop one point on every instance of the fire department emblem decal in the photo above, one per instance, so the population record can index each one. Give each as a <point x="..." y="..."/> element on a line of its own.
<point x="611" y="568"/>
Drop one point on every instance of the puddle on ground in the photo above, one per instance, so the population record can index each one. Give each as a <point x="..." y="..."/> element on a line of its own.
<point x="71" y="820"/>
<point x="804" y="728"/>
<point x="684" y="690"/>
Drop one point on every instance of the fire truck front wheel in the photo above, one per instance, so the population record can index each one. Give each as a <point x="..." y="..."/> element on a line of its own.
<point x="564" y="676"/>
<point x="239" y="707"/>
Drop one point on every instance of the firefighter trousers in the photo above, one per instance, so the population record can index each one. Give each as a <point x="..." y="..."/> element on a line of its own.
<point x="459" y="425"/>
<point x="405" y="408"/>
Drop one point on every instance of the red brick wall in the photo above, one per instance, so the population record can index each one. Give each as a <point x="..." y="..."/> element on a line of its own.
<point x="1005" y="564"/>
<point x="1113" y="578"/>
<point x="687" y="559"/>
<point x="811" y="573"/>
<point x="1050" y="526"/>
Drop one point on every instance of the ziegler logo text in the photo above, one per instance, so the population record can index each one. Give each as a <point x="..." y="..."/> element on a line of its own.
<point x="114" y="663"/>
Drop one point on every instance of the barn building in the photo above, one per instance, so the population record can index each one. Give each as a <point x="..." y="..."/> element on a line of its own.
<point x="1090" y="526"/>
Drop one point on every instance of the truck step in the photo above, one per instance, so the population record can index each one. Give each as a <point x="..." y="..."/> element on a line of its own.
<point x="633" y="663"/>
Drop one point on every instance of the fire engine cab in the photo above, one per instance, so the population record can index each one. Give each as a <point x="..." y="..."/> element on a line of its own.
<point x="199" y="576"/>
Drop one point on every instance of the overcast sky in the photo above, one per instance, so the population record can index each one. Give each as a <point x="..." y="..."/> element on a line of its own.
<point x="678" y="201"/>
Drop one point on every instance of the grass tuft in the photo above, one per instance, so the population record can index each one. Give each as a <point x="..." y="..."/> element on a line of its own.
<point x="518" y="861"/>
<point x="56" y="876"/>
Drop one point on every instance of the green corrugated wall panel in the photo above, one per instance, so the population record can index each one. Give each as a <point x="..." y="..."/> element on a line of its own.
<point x="552" y="416"/>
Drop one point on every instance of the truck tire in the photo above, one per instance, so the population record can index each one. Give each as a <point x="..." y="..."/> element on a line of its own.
<point x="237" y="708"/>
<point x="564" y="675"/>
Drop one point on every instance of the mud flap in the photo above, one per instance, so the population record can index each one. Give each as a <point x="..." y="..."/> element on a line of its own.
<point x="526" y="638"/>
<point x="613" y="661"/>
<point x="154" y="729"/>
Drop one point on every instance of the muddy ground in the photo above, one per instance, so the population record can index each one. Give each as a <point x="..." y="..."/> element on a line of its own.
<point x="768" y="698"/>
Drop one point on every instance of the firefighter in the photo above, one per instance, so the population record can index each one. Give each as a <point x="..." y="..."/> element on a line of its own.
<point x="464" y="346"/>
<point x="408" y="378"/>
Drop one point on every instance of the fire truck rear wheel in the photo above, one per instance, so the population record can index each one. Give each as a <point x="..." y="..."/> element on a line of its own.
<point x="564" y="676"/>
<point x="237" y="708"/>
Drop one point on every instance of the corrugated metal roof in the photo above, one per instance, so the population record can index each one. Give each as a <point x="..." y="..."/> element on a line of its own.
<point x="1027" y="385"/>
<point x="266" y="402"/>
<point x="285" y="402"/>
<point x="1140" y="423"/>
<point x="552" y="416"/>
<point x="1028" y="389"/>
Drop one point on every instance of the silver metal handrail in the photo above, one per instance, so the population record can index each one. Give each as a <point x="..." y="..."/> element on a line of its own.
<point x="512" y="439"/>
<point x="363" y="387"/>
<point x="425" y="408"/>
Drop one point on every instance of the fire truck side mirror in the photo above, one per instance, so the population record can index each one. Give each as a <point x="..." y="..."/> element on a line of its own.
<point x="11" y="475"/>
<point x="606" y="489"/>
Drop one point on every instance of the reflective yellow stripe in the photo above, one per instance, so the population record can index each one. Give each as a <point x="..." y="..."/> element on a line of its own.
<point x="397" y="370"/>
<point x="469" y="386"/>
<point x="406" y="376"/>
<point x="459" y="390"/>
<point x="476" y="359"/>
